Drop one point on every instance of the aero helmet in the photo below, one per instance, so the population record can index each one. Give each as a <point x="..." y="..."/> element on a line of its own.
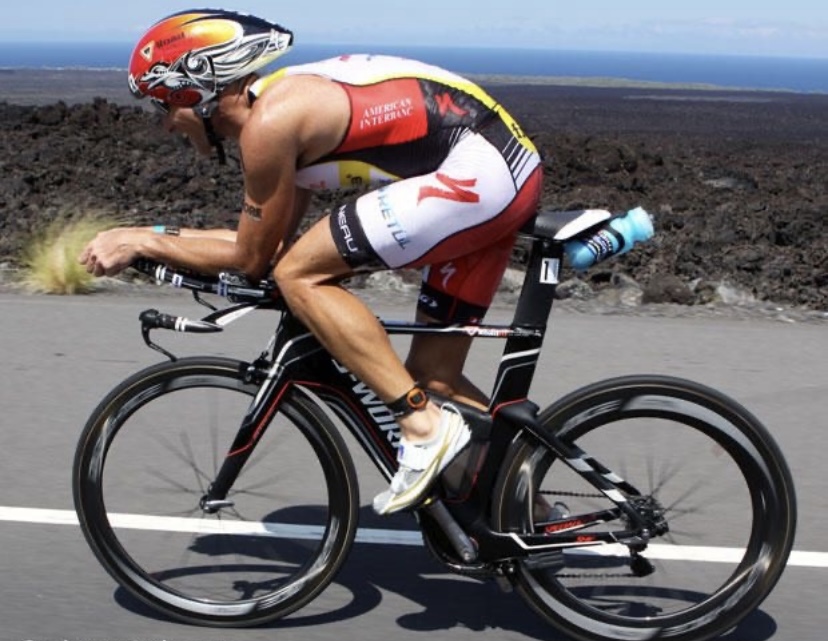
<point x="187" y="58"/>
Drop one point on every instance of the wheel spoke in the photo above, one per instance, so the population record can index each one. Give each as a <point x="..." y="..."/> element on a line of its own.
<point x="162" y="439"/>
<point x="705" y="481"/>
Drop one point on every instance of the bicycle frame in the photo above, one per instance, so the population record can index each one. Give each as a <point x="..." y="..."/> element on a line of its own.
<point x="261" y="541"/>
<point x="294" y="359"/>
<point x="299" y="359"/>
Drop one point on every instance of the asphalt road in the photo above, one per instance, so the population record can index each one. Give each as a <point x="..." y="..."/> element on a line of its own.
<point x="60" y="356"/>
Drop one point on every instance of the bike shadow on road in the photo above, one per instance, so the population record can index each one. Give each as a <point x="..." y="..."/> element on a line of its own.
<point x="440" y="599"/>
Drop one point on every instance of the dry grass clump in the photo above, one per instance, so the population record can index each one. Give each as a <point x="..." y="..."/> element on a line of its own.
<point x="51" y="257"/>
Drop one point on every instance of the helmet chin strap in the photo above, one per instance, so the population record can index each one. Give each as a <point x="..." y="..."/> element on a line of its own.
<point x="205" y="112"/>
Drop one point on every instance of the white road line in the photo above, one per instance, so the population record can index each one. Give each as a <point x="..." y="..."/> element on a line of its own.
<point x="206" y="526"/>
<point x="366" y="535"/>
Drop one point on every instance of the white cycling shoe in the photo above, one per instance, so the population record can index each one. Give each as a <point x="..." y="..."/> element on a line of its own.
<point x="421" y="463"/>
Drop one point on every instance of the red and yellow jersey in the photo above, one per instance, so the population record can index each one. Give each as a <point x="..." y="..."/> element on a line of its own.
<point x="406" y="116"/>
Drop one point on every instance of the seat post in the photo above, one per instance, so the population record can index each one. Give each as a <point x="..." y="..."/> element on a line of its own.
<point x="539" y="284"/>
<point x="521" y="352"/>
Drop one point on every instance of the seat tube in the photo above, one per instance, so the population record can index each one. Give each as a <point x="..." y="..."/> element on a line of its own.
<point x="539" y="284"/>
<point x="521" y="352"/>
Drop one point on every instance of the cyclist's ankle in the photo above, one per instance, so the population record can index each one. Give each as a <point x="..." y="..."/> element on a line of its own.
<point x="420" y="426"/>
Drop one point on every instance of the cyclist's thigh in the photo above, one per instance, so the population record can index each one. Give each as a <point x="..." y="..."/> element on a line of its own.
<point x="461" y="290"/>
<point x="471" y="201"/>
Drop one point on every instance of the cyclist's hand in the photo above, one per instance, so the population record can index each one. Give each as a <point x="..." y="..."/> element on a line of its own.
<point x="112" y="251"/>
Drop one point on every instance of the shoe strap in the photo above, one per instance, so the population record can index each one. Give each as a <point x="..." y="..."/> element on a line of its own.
<point x="415" y="456"/>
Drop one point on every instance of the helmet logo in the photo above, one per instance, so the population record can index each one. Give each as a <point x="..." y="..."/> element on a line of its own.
<point x="146" y="52"/>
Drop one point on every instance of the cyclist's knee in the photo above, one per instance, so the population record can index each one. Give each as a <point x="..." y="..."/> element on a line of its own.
<point x="285" y="272"/>
<point x="287" y="276"/>
<point x="295" y="283"/>
<point x="314" y="260"/>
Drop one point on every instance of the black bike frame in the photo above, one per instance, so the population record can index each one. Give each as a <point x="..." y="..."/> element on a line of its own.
<point x="296" y="360"/>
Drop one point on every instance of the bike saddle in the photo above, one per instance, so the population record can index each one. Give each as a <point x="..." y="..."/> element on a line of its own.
<point x="563" y="225"/>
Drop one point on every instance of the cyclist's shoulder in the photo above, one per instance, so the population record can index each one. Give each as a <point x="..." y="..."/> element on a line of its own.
<point x="366" y="68"/>
<point x="286" y="97"/>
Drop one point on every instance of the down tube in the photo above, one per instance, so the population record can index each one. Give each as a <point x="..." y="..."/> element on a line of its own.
<point x="367" y="418"/>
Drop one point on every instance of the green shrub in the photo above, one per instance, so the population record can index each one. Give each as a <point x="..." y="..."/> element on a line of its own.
<point x="51" y="258"/>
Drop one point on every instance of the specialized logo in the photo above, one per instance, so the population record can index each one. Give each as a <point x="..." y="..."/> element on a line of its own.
<point x="456" y="190"/>
<point x="445" y="103"/>
<point x="447" y="271"/>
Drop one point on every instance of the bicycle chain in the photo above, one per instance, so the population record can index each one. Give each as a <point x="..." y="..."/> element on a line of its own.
<point x="586" y="495"/>
<point x="488" y="570"/>
<point x="628" y="575"/>
<point x="577" y="495"/>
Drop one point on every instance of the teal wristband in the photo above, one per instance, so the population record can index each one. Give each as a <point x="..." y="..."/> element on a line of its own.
<point x="171" y="230"/>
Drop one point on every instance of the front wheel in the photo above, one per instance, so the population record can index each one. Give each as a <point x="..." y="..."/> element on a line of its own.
<point x="699" y="464"/>
<point x="146" y="458"/>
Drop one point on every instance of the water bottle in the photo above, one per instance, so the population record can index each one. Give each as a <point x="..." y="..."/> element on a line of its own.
<point x="615" y="236"/>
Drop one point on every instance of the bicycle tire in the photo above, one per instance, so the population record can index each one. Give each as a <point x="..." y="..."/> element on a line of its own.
<point x="142" y="464"/>
<point x="708" y="589"/>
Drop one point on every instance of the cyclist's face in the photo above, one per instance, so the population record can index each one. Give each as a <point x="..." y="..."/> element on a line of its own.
<point x="183" y="120"/>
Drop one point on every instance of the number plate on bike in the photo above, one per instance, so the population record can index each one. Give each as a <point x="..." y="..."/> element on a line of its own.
<point x="550" y="267"/>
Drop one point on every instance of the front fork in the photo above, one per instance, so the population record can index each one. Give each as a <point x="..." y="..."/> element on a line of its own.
<point x="253" y="426"/>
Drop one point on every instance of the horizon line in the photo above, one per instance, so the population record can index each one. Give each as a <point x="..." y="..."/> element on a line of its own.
<point x="455" y="47"/>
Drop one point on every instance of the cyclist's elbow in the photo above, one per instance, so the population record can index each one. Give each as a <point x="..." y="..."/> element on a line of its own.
<point x="254" y="266"/>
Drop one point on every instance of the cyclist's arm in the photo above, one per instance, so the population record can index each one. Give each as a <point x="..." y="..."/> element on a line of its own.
<point x="301" y="203"/>
<point x="272" y="142"/>
<point x="201" y="251"/>
<point x="189" y="232"/>
<point x="213" y="250"/>
<point x="207" y="251"/>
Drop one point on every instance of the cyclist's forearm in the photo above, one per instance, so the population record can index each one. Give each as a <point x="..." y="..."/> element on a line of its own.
<point x="199" y="251"/>
<point x="187" y="232"/>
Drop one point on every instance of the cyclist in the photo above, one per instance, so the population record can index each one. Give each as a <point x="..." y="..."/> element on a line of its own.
<point x="452" y="178"/>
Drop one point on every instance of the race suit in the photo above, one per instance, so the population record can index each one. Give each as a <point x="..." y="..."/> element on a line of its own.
<point x="453" y="177"/>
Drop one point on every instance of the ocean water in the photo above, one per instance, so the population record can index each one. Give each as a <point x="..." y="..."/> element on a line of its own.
<point x="804" y="75"/>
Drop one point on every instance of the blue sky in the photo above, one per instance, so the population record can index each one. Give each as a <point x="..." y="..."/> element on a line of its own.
<point x="787" y="28"/>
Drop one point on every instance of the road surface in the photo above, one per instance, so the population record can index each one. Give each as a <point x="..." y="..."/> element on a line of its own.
<point x="61" y="355"/>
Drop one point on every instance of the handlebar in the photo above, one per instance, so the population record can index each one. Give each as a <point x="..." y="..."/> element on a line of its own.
<point x="153" y="319"/>
<point x="236" y="288"/>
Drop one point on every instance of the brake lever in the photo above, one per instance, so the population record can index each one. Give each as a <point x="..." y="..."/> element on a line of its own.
<point x="202" y="302"/>
<point x="146" y="328"/>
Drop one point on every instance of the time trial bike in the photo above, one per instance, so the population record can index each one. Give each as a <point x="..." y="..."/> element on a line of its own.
<point x="222" y="492"/>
